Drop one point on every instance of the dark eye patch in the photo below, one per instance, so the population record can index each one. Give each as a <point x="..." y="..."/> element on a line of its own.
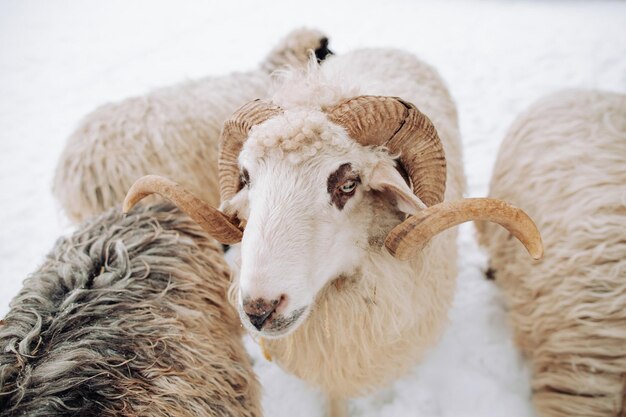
<point x="336" y="179"/>
<point x="244" y="179"/>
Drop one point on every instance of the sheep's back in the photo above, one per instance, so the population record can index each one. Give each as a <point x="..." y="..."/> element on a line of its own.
<point x="564" y="162"/>
<point x="127" y="317"/>
<point x="172" y="131"/>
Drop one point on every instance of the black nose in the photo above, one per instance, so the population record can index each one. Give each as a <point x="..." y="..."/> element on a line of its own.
<point x="259" y="310"/>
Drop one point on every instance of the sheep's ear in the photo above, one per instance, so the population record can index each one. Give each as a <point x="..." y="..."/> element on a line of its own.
<point x="387" y="179"/>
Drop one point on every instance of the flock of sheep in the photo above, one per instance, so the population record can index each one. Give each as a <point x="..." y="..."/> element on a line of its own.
<point x="341" y="176"/>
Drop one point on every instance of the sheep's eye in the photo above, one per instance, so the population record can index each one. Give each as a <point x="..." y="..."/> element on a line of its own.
<point x="341" y="185"/>
<point x="348" y="186"/>
<point x="244" y="178"/>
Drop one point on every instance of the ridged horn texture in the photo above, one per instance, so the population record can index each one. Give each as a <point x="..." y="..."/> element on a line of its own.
<point x="213" y="221"/>
<point x="234" y="134"/>
<point x="411" y="235"/>
<point x="404" y="130"/>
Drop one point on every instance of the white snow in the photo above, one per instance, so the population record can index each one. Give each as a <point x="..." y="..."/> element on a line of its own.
<point x="61" y="59"/>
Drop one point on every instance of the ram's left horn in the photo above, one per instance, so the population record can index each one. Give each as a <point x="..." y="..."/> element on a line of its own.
<point x="213" y="221"/>
<point x="411" y="235"/>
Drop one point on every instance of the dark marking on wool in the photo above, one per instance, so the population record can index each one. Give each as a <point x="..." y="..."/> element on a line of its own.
<point x="99" y="196"/>
<point x="569" y="392"/>
<point x="386" y="216"/>
<point x="96" y="269"/>
<point x="343" y="281"/>
<point x="335" y="180"/>
<point x="322" y="51"/>
<point x="339" y="282"/>
<point x="490" y="274"/>
<point x="376" y="241"/>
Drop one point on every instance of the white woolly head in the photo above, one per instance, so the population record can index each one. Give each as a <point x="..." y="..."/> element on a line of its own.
<point x="315" y="203"/>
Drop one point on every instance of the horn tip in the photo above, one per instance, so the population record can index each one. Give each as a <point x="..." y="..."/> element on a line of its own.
<point x="127" y="205"/>
<point x="534" y="245"/>
<point x="536" y="252"/>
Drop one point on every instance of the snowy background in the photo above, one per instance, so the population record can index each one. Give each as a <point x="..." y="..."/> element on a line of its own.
<point x="61" y="59"/>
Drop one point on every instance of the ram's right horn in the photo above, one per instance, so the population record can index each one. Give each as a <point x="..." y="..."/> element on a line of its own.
<point x="411" y="235"/>
<point x="213" y="221"/>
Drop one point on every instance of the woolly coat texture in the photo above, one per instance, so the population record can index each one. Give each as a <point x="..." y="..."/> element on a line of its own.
<point x="172" y="131"/>
<point x="564" y="162"/>
<point x="127" y="317"/>
<point x="405" y="314"/>
<point x="368" y="329"/>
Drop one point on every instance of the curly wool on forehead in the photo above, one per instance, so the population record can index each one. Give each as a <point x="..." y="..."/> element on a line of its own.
<point x="296" y="135"/>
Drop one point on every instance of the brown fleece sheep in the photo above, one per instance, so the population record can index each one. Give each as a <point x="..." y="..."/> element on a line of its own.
<point x="564" y="161"/>
<point x="127" y="317"/>
<point x="172" y="131"/>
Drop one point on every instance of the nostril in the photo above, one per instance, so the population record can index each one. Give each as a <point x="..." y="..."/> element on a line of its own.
<point x="259" y="310"/>
<point x="280" y="303"/>
<point x="258" y="321"/>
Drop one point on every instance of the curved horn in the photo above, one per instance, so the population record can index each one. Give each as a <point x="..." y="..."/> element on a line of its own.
<point x="404" y="130"/>
<point x="416" y="231"/>
<point x="234" y="134"/>
<point x="213" y="221"/>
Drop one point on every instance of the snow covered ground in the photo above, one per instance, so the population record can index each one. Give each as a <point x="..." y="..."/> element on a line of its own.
<point x="60" y="59"/>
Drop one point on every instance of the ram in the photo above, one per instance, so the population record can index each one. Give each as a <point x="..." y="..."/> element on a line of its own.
<point x="175" y="130"/>
<point x="333" y="275"/>
<point x="127" y="317"/>
<point x="564" y="160"/>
